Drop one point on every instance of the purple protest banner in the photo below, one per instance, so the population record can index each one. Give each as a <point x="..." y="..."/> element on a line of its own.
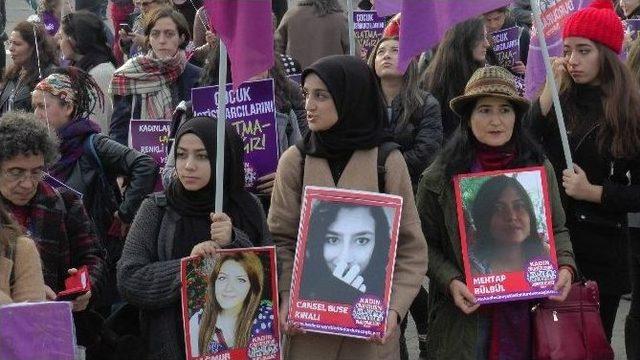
<point x="506" y="46"/>
<point x="368" y="28"/>
<point x="554" y="13"/>
<point x="631" y="27"/>
<point x="388" y="7"/>
<point x="42" y="331"/>
<point x="150" y="137"/>
<point x="251" y="110"/>
<point x="424" y="22"/>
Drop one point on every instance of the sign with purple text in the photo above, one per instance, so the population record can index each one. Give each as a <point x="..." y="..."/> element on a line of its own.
<point x="506" y="46"/>
<point x="251" y="110"/>
<point x="368" y="28"/>
<point x="150" y="137"/>
<point x="554" y="13"/>
<point x="506" y="234"/>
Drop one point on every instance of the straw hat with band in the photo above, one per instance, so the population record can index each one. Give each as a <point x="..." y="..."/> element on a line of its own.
<point x="490" y="81"/>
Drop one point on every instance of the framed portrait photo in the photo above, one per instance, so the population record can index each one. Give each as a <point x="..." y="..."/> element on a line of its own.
<point x="506" y="234"/>
<point x="230" y="305"/>
<point x="344" y="262"/>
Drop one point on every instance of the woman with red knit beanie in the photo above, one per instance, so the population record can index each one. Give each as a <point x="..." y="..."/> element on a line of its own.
<point x="601" y="104"/>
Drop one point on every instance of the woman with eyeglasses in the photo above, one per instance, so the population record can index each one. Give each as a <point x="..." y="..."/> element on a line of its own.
<point x="132" y="40"/>
<point x="151" y="86"/>
<point x="20" y="77"/>
<point x="55" y="219"/>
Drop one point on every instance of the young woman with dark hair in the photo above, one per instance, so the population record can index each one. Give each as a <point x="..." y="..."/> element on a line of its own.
<point x="462" y="50"/>
<point x="346" y="120"/>
<point x="181" y="222"/>
<point x="324" y="252"/>
<point x="502" y="204"/>
<point x="490" y="137"/>
<point x="601" y="104"/>
<point x="83" y="41"/>
<point x="20" y="77"/>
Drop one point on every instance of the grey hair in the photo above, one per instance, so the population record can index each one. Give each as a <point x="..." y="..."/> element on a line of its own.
<point x="323" y="7"/>
<point x="22" y="134"/>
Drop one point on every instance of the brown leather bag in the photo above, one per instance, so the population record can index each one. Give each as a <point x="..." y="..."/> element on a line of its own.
<point x="572" y="329"/>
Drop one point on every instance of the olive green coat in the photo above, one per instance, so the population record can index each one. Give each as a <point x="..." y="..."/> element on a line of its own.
<point x="452" y="334"/>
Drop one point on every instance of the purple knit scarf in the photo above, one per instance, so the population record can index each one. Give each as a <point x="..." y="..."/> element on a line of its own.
<point x="72" y="137"/>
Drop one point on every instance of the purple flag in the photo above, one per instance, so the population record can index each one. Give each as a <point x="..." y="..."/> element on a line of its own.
<point x="553" y="16"/>
<point x="388" y="7"/>
<point x="424" y="22"/>
<point x="246" y="28"/>
<point x="41" y="331"/>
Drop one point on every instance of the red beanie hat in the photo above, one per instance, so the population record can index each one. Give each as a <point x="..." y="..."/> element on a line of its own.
<point x="598" y="23"/>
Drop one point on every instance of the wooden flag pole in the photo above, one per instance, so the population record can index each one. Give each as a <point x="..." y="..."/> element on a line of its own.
<point x="352" y="32"/>
<point x="537" y="17"/>
<point x="222" y="118"/>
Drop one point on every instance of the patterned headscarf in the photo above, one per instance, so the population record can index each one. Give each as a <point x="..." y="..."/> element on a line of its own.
<point x="60" y="86"/>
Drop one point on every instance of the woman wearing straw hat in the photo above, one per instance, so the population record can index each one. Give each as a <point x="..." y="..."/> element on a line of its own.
<point x="601" y="104"/>
<point x="490" y="137"/>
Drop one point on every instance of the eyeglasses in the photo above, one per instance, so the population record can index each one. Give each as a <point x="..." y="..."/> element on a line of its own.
<point x="169" y="34"/>
<point x="19" y="175"/>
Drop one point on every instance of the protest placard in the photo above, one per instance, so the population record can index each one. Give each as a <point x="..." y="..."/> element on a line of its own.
<point x="506" y="233"/>
<point x="251" y="111"/>
<point x="239" y="286"/>
<point x="344" y="262"/>
<point x="368" y="27"/>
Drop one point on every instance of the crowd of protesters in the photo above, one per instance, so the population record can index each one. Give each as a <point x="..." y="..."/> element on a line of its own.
<point x="75" y="83"/>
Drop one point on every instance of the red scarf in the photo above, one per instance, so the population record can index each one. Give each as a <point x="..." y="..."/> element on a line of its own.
<point x="490" y="158"/>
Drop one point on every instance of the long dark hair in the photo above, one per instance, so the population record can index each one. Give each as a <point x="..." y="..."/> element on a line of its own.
<point x="459" y="153"/>
<point x="453" y="64"/>
<point x="46" y="49"/>
<point x="89" y="39"/>
<point x="324" y="214"/>
<point x="411" y="96"/>
<point x="620" y="135"/>
<point x="323" y="7"/>
<point x="483" y="209"/>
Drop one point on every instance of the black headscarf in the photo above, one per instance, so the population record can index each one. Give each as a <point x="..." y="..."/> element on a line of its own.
<point x="195" y="206"/>
<point x="356" y="95"/>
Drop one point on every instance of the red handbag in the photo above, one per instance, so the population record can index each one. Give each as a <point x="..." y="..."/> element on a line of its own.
<point x="572" y="329"/>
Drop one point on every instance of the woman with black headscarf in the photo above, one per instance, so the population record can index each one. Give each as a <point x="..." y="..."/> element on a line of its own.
<point x="345" y="115"/>
<point x="180" y="223"/>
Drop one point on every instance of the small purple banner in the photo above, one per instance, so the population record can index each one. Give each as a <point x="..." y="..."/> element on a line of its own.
<point x="554" y="13"/>
<point x="368" y="27"/>
<point x="150" y="137"/>
<point x="251" y="111"/>
<point x="506" y="46"/>
<point x="41" y="331"/>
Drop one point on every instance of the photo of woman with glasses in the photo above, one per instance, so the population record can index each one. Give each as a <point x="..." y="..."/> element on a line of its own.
<point x="506" y="229"/>
<point x="346" y="253"/>
<point x="150" y="86"/>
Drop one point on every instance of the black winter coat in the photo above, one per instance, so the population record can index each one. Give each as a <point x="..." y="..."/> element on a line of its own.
<point x="117" y="160"/>
<point x="421" y="137"/>
<point x="598" y="232"/>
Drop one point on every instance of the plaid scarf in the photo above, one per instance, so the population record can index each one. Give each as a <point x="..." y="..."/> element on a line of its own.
<point x="150" y="78"/>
